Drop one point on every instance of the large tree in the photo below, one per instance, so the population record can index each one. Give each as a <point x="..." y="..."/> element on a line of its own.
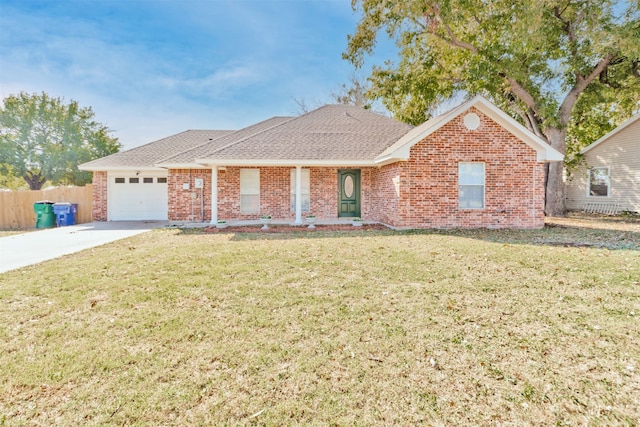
<point x="45" y="139"/>
<point x="534" y="58"/>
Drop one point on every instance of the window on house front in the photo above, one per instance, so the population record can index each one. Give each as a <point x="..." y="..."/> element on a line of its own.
<point x="249" y="190"/>
<point x="305" y="181"/>
<point x="471" y="185"/>
<point x="599" y="182"/>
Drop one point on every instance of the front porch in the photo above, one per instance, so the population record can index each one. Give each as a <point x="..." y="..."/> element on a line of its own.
<point x="241" y="195"/>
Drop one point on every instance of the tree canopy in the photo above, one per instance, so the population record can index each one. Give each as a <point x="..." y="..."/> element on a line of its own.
<point x="557" y="65"/>
<point x="44" y="139"/>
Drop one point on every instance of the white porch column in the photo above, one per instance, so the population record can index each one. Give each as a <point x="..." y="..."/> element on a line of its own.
<point x="214" y="195"/>
<point x="298" y="195"/>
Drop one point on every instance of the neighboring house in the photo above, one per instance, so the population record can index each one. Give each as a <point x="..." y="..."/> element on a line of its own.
<point x="609" y="178"/>
<point x="471" y="167"/>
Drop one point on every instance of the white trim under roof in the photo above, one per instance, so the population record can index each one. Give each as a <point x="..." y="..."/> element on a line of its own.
<point x="400" y="151"/>
<point x="120" y="168"/>
<point x="180" y="166"/>
<point x="286" y="162"/>
<point x="610" y="134"/>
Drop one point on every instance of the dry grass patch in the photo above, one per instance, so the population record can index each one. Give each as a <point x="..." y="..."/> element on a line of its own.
<point x="10" y="232"/>
<point x="579" y="220"/>
<point x="378" y="328"/>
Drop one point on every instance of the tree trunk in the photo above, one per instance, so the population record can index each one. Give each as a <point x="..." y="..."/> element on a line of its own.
<point x="556" y="194"/>
<point x="35" y="180"/>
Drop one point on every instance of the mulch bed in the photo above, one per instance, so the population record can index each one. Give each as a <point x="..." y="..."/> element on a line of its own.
<point x="294" y="228"/>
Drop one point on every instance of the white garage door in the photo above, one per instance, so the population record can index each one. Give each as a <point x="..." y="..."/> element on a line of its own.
<point x="138" y="197"/>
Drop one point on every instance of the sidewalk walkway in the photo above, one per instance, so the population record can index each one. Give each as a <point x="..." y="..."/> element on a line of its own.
<point x="21" y="250"/>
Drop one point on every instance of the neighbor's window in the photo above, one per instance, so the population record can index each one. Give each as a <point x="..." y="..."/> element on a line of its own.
<point x="599" y="183"/>
<point x="305" y="178"/>
<point x="471" y="185"/>
<point x="119" y="180"/>
<point x="249" y="190"/>
<point x="134" y="180"/>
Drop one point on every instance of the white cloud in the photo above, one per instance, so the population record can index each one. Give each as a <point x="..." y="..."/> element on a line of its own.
<point x="150" y="69"/>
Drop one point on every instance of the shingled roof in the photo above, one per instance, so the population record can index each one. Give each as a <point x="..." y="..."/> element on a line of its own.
<point x="333" y="134"/>
<point x="187" y="158"/>
<point x="329" y="135"/>
<point x="146" y="156"/>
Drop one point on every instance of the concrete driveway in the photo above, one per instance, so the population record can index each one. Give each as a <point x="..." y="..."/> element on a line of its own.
<point x="21" y="250"/>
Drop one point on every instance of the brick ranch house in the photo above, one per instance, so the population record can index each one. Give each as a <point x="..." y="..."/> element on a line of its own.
<point x="473" y="166"/>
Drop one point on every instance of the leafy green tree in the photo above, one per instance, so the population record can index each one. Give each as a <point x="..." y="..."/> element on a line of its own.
<point x="9" y="181"/>
<point x="599" y="110"/>
<point x="544" y="61"/>
<point x="43" y="139"/>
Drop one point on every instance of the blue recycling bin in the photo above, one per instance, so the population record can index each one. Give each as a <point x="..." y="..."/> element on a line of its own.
<point x="65" y="213"/>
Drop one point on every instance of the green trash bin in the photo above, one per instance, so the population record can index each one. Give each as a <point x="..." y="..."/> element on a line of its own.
<point x="45" y="217"/>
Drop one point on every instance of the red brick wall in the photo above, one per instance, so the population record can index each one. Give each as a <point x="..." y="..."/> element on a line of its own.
<point x="324" y="192"/>
<point x="275" y="188"/>
<point x="99" y="210"/>
<point x="419" y="193"/>
<point x="514" y="180"/>
<point x="274" y="194"/>
<point x="182" y="205"/>
<point x="385" y="200"/>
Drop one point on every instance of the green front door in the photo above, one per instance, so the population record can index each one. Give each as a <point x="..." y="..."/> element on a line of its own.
<point x="349" y="190"/>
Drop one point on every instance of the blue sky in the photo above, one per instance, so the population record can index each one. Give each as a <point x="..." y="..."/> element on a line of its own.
<point x="152" y="68"/>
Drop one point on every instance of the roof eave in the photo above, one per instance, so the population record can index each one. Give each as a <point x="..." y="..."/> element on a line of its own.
<point x="402" y="154"/>
<point x="180" y="166"/>
<point x="550" y="155"/>
<point x="544" y="152"/>
<point x="285" y="162"/>
<point x="119" y="168"/>
<point x="610" y="134"/>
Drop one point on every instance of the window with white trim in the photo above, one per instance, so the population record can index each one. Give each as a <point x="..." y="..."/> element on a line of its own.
<point x="306" y="189"/>
<point x="249" y="190"/>
<point x="599" y="182"/>
<point x="471" y="183"/>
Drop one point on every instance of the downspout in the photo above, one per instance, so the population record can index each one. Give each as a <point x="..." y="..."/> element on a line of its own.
<point x="298" y="195"/>
<point x="214" y="195"/>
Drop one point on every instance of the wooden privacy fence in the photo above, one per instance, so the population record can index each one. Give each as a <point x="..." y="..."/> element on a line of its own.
<point x="16" y="207"/>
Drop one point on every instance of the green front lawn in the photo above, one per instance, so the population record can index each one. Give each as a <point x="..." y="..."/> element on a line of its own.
<point x="328" y="328"/>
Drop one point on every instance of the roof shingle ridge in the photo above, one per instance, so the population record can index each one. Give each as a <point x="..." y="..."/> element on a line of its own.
<point x="141" y="146"/>
<point x="215" y="139"/>
<point x="178" y="134"/>
<point x="230" y="132"/>
<point x="231" y="144"/>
